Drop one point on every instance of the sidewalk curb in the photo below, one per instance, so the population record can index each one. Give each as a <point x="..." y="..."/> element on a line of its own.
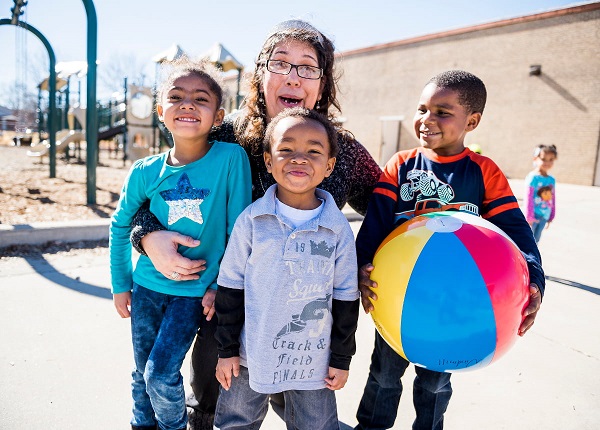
<point x="74" y="231"/>
<point x="42" y="232"/>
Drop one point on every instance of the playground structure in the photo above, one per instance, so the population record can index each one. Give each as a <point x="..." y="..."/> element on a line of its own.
<point x="92" y="55"/>
<point x="127" y="119"/>
<point x="64" y="139"/>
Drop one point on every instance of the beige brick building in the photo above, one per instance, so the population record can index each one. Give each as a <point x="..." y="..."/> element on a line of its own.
<point x="380" y="88"/>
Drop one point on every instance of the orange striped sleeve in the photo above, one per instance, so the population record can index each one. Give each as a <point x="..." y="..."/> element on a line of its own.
<point x="498" y="194"/>
<point x="388" y="181"/>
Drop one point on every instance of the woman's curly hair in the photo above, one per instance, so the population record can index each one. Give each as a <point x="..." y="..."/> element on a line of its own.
<point x="250" y="127"/>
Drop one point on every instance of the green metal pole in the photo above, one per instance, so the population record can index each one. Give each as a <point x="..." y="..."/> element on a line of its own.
<point x="40" y="114"/>
<point x="67" y="103"/>
<point x="125" y="125"/>
<point x="52" y="117"/>
<point x="91" y="116"/>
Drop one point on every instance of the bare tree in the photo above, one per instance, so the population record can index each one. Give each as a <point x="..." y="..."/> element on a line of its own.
<point x="21" y="95"/>
<point x="112" y="73"/>
<point x="35" y="70"/>
<point x="38" y="67"/>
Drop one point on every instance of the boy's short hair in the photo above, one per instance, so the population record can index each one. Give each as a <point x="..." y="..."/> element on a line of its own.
<point x="183" y="66"/>
<point x="471" y="90"/>
<point x="300" y="112"/>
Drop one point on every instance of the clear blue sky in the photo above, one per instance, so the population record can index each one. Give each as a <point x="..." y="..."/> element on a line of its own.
<point x="143" y="28"/>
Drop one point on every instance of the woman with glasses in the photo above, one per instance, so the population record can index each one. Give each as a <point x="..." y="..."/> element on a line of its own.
<point x="295" y="67"/>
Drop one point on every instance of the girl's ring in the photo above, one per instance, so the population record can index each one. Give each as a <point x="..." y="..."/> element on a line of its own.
<point x="175" y="275"/>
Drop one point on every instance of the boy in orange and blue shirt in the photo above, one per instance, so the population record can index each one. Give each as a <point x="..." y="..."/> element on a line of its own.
<point x="441" y="174"/>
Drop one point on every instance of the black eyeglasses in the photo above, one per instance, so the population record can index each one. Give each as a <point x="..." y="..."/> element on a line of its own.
<point x="284" y="68"/>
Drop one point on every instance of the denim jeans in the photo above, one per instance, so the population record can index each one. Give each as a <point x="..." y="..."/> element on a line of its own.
<point x="378" y="407"/>
<point x="162" y="330"/>
<point x="537" y="227"/>
<point x="243" y="408"/>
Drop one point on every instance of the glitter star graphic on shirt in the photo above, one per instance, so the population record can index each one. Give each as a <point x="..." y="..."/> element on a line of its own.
<point x="184" y="201"/>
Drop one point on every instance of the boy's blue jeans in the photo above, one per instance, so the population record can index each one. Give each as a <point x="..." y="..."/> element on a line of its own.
<point x="162" y="330"/>
<point x="243" y="408"/>
<point x="378" y="407"/>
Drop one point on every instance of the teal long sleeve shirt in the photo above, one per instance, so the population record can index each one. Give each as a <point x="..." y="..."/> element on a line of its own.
<point x="202" y="200"/>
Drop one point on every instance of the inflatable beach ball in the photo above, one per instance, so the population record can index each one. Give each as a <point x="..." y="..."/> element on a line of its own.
<point x="451" y="291"/>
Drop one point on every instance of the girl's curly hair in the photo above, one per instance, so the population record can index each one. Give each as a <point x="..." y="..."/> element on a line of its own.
<point x="183" y="66"/>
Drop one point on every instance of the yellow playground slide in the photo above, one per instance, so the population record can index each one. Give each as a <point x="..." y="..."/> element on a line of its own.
<point x="63" y="139"/>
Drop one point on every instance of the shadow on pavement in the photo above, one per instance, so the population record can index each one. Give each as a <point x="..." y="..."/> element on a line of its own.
<point x="48" y="271"/>
<point x="593" y="290"/>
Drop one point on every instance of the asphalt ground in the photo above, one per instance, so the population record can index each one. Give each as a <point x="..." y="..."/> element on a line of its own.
<point x="65" y="355"/>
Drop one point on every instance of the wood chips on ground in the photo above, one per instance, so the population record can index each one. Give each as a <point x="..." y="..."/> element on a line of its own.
<point x="28" y="194"/>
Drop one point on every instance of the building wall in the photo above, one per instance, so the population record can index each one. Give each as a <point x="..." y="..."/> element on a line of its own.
<point x="561" y="106"/>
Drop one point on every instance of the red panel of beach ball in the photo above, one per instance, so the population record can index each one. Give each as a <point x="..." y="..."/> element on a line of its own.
<point x="451" y="291"/>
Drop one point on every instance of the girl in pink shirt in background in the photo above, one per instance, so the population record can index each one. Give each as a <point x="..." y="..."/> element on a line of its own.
<point x="540" y="192"/>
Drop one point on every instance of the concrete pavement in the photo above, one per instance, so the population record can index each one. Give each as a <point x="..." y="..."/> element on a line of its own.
<point x="65" y="355"/>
